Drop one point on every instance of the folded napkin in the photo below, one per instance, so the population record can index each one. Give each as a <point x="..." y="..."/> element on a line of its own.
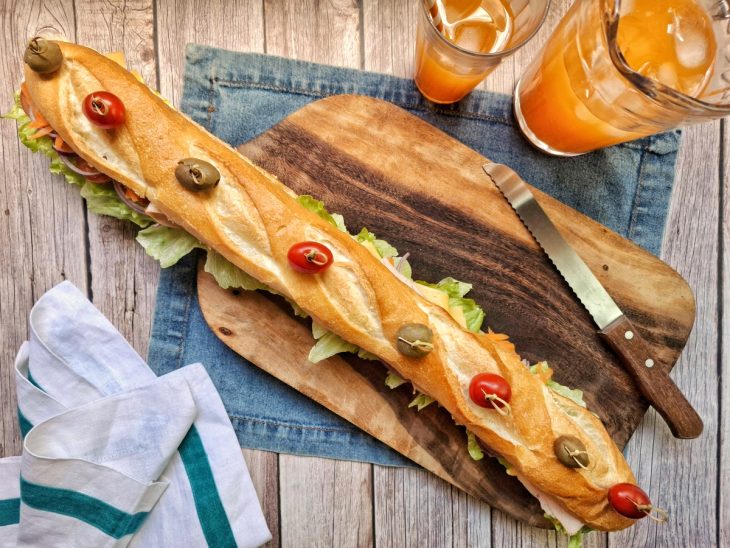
<point x="239" y="95"/>
<point x="112" y="454"/>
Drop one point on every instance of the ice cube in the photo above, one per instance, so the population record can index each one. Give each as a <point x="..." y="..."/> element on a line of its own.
<point x="667" y="75"/>
<point x="691" y="37"/>
<point x="691" y="48"/>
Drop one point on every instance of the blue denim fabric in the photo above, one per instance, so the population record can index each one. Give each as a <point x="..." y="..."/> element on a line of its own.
<point x="239" y="95"/>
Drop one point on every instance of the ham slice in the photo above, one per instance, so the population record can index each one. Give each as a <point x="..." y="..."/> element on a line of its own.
<point x="553" y="508"/>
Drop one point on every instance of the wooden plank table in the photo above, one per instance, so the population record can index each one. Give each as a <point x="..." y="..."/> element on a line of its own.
<point x="48" y="237"/>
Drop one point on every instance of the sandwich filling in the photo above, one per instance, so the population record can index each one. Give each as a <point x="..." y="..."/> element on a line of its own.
<point x="168" y="244"/>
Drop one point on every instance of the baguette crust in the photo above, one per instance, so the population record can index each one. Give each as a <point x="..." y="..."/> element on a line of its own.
<point x="252" y="220"/>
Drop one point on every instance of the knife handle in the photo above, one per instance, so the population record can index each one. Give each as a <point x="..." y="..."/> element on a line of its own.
<point x="656" y="385"/>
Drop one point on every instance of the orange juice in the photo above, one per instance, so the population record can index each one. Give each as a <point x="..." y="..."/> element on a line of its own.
<point x="572" y="99"/>
<point x="476" y="27"/>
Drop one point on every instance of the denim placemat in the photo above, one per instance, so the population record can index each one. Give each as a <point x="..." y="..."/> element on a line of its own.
<point x="239" y="95"/>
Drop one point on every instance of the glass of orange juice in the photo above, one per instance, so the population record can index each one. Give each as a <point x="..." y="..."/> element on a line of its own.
<point x="459" y="42"/>
<point x="618" y="70"/>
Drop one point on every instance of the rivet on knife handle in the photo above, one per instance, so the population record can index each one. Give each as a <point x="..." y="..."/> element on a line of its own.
<point x="656" y="385"/>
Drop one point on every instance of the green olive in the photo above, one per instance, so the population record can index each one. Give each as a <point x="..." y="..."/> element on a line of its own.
<point x="571" y="452"/>
<point x="43" y="56"/>
<point x="197" y="175"/>
<point x="414" y="340"/>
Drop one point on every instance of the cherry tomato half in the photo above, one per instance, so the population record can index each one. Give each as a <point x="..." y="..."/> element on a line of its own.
<point x="485" y="386"/>
<point x="104" y="109"/>
<point x="629" y="500"/>
<point x="309" y="257"/>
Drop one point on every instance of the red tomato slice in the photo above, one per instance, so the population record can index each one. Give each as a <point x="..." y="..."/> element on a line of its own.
<point x="309" y="257"/>
<point x="485" y="386"/>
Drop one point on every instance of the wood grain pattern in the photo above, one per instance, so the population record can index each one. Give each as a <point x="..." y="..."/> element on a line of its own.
<point x="723" y="365"/>
<point x="314" y="30"/>
<point x="234" y="24"/>
<point x="34" y="205"/>
<point x="415" y="508"/>
<point x="332" y="516"/>
<point x="264" y="469"/>
<point x="41" y="217"/>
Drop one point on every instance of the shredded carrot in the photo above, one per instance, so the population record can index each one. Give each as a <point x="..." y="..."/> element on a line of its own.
<point x="132" y="195"/>
<point x="39" y="121"/>
<point x="505" y="345"/>
<point x="41" y="133"/>
<point x="61" y="146"/>
<point x="492" y="336"/>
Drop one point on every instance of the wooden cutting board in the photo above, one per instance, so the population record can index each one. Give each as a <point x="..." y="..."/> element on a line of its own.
<point x="381" y="167"/>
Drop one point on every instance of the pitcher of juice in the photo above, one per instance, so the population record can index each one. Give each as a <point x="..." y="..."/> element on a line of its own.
<point x="459" y="42"/>
<point x="618" y="70"/>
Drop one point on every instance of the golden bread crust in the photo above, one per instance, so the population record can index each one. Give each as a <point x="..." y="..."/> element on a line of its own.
<point x="252" y="220"/>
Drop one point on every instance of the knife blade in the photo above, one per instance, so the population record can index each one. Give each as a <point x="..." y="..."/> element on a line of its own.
<point x="614" y="327"/>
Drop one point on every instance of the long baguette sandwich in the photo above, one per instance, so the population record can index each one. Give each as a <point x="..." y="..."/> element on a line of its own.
<point x="119" y="132"/>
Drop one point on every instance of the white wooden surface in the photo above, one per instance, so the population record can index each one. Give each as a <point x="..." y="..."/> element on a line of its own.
<point x="46" y="236"/>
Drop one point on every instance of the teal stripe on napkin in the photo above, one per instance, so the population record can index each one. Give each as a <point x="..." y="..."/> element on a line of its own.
<point x="25" y="424"/>
<point x="34" y="382"/>
<point x="97" y="513"/>
<point x="212" y="515"/>
<point x="9" y="512"/>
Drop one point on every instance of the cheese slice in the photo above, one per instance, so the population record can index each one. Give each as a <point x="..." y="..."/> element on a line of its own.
<point x="117" y="57"/>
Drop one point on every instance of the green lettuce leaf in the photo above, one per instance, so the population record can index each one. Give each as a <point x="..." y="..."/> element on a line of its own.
<point x="57" y="167"/>
<point x="421" y="401"/>
<point x="43" y="145"/>
<point x="103" y="200"/>
<point x="574" y="541"/>
<point x="316" y="206"/>
<point x="318" y="331"/>
<point x="394" y="381"/>
<point x="456" y="290"/>
<point x="404" y="267"/>
<point x="328" y="345"/>
<point x="298" y="310"/>
<point x="16" y="111"/>
<point x="475" y="451"/>
<point x="365" y="355"/>
<point x="167" y="245"/>
<point x="574" y="394"/>
<point x="384" y="249"/>
<point x="507" y="466"/>
<point x="228" y="275"/>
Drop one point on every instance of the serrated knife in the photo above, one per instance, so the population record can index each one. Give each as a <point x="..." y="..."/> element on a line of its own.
<point x="615" y="328"/>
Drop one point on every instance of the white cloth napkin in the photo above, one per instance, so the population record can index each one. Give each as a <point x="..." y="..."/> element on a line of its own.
<point x="112" y="454"/>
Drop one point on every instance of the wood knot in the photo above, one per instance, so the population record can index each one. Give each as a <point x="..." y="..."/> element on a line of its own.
<point x="225" y="331"/>
<point x="605" y="267"/>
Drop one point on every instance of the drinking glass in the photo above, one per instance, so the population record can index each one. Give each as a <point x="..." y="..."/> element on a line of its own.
<point x="477" y="35"/>
<point x="618" y="70"/>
